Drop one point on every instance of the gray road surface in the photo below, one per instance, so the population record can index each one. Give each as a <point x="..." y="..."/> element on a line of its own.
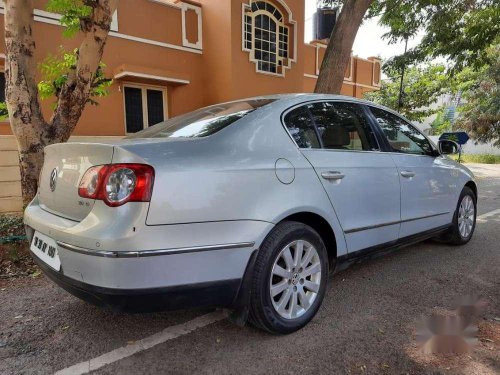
<point x="366" y="325"/>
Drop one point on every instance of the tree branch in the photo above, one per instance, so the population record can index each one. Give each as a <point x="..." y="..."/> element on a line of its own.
<point x="338" y="52"/>
<point x="77" y="90"/>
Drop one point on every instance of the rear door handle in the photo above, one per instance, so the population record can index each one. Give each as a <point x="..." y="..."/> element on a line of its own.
<point x="332" y="175"/>
<point x="407" y="174"/>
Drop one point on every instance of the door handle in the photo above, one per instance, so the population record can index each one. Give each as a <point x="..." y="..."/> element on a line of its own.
<point x="332" y="175"/>
<point x="407" y="174"/>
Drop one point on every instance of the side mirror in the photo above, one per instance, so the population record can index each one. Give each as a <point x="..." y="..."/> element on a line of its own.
<point x="447" y="147"/>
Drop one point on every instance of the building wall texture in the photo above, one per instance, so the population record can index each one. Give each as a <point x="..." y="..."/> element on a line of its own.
<point x="192" y="51"/>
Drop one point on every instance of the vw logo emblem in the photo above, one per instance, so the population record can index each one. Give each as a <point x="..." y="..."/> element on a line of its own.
<point x="53" y="179"/>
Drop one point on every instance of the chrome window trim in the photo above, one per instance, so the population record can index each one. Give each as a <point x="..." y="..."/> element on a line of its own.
<point x="403" y="153"/>
<point x="338" y="150"/>
<point x="149" y="253"/>
<point x="339" y="100"/>
<point x="433" y="145"/>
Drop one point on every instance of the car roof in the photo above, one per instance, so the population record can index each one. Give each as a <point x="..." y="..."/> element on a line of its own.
<point x="297" y="98"/>
<point x="292" y="99"/>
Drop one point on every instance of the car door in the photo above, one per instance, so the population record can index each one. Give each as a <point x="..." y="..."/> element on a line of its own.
<point x="361" y="182"/>
<point x="427" y="182"/>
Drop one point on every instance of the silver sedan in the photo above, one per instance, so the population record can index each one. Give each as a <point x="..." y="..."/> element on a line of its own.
<point x="247" y="205"/>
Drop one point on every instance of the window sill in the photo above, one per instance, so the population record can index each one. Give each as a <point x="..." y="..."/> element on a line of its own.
<point x="277" y="75"/>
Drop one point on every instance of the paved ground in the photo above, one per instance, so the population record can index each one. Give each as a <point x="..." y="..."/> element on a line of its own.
<point x="367" y="323"/>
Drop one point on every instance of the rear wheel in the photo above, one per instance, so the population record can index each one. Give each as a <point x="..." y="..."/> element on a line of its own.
<point x="289" y="280"/>
<point x="464" y="220"/>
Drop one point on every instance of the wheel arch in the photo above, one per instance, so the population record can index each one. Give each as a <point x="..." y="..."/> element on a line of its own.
<point x="324" y="229"/>
<point x="315" y="221"/>
<point x="472" y="185"/>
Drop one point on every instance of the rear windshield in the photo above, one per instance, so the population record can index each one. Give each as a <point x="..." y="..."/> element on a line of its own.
<point x="202" y="122"/>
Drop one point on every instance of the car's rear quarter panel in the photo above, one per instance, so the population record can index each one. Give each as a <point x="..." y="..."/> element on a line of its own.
<point x="231" y="176"/>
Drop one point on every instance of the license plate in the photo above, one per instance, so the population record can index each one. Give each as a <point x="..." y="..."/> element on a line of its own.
<point x="45" y="248"/>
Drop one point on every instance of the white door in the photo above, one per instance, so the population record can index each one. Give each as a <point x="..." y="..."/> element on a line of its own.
<point x="427" y="183"/>
<point x="361" y="182"/>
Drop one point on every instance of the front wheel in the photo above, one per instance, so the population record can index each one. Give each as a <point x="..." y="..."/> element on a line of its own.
<point x="289" y="278"/>
<point x="464" y="220"/>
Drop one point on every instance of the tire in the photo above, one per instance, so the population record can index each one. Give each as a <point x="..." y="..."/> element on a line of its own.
<point x="275" y="271"/>
<point x="455" y="235"/>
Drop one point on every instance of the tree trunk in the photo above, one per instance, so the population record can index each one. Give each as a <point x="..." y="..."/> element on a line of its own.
<point x="338" y="52"/>
<point x="76" y="92"/>
<point x="28" y="125"/>
<point x="26" y="119"/>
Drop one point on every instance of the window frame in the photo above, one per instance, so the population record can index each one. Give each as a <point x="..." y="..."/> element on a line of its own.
<point x="282" y="62"/>
<point x="362" y="108"/>
<point x="265" y="13"/>
<point x="5" y="120"/>
<point x="384" y="141"/>
<point x="315" y="128"/>
<point x="144" y="90"/>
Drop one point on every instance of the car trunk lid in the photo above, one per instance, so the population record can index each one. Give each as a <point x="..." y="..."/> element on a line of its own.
<point x="63" y="168"/>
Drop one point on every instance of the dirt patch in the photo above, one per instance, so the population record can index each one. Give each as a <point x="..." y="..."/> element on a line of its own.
<point x="483" y="358"/>
<point x="16" y="261"/>
<point x="11" y="228"/>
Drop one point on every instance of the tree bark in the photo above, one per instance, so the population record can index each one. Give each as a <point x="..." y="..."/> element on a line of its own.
<point x="338" y="51"/>
<point x="25" y="115"/>
<point x="28" y="125"/>
<point x="76" y="92"/>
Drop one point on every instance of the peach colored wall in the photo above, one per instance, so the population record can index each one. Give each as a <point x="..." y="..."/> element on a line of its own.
<point x="191" y="26"/>
<point x="221" y="72"/>
<point x="217" y="62"/>
<point x="108" y="117"/>
<point x="245" y="81"/>
<point x="150" y="20"/>
<point x="363" y="70"/>
<point x="309" y="59"/>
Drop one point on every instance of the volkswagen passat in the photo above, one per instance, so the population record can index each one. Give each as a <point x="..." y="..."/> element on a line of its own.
<point x="248" y="205"/>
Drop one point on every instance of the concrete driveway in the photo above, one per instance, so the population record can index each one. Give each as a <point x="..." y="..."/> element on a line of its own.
<point x="367" y="323"/>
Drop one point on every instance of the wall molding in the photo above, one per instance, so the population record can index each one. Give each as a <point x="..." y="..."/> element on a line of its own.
<point x="150" y="76"/>
<point x="361" y="85"/>
<point x="185" y="7"/>
<point x="54" y="19"/>
<point x="166" y="3"/>
<point x="154" y="42"/>
<point x="345" y="82"/>
<point x="374" y="63"/>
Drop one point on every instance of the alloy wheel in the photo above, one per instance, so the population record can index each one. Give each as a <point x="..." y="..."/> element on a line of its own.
<point x="466" y="216"/>
<point x="295" y="279"/>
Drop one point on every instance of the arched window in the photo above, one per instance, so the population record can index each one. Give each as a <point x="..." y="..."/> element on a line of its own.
<point x="266" y="37"/>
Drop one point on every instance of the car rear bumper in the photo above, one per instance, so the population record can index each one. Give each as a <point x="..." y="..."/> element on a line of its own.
<point x="207" y="294"/>
<point x="145" y="281"/>
<point x="199" y="264"/>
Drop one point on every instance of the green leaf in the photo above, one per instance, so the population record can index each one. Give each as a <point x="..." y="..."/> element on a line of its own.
<point x="422" y="87"/>
<point x="3" y="111"/>
<point x="72" y="12"/>
<point x="56" y="69"/>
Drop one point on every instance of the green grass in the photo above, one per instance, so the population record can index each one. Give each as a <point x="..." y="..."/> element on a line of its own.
<point x="479" y="158"/>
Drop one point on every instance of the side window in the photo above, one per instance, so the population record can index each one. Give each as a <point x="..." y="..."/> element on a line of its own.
<point x="402" y="136"/>
<point x="342" y="126"/>
<point x="301" y="128"/>
<point x="143" y="107"/>
<point x="2" y="87"/>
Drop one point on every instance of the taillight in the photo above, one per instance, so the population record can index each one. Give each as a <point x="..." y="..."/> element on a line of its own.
<point x="117" y="184"/>
<point x="91" y="182"/>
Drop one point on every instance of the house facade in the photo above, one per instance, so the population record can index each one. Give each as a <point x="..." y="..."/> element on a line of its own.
<point x="168" y="57"/>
